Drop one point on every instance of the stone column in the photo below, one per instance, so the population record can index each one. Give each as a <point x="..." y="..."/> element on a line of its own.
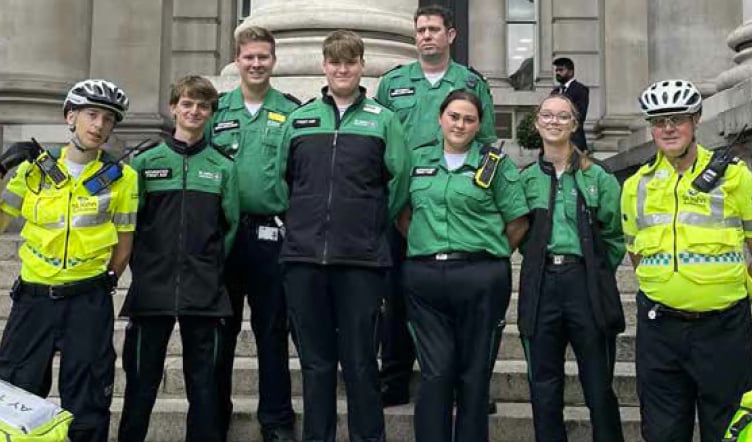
<point x="300" y="27"/>
<point x="44" y="48"/>
<point x="488" y="39"/>
<point x="740" y="41"/>
<point x="144" y="29"/>
<point x="625" y="65"/>
<point x="686" y="39"/>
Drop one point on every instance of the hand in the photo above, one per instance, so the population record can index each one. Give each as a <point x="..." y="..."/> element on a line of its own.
<point x="16" y="154"/>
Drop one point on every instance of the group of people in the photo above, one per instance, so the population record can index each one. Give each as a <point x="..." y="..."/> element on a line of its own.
<point x="315" y="214"/>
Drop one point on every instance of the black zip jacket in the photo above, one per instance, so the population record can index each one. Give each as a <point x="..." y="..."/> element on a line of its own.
<point x="347" y="177"/>
<point x="187" y="217"/>
<point x="601" y="280"/>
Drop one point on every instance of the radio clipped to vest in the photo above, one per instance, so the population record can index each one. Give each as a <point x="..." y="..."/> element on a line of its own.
<point x="490" y="161"/>
<point x="111" y="170"/>
<point x="49" y="167"/>
<point x="708" y="179"/>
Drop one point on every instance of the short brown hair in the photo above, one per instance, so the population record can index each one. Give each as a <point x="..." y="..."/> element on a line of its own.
<point x="195" y="87"/>
<point x="251" y="34"/>
<point x="343" y="45"/>
<point x="435" y="10"/>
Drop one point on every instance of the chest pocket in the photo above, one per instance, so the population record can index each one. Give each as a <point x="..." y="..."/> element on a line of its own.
<point x="419" y="191"/>
<point x="471" y="197"/>
<point x="46" y="209"/>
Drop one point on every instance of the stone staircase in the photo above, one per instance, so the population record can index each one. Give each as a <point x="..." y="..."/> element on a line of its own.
<point x="512" y="422"/>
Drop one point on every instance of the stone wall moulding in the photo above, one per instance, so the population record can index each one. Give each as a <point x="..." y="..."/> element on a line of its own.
<point x="305" y="16"/>
<point x="739" y="40"/>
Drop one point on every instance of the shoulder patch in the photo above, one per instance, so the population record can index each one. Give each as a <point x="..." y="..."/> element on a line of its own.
<point x="221" y="151"/>
<point x="292" y="98"/>
<point x="391" y="70"/>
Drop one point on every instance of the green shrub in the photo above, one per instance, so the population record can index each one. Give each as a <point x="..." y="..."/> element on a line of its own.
<point x="527" y="135"/>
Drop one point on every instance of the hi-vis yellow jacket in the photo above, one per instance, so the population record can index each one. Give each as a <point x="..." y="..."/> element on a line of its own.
<point x="691" y="243"/>
<point x="69" y="234"/>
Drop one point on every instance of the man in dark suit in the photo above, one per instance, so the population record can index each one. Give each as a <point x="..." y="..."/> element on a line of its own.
<point x="575" y="91"/>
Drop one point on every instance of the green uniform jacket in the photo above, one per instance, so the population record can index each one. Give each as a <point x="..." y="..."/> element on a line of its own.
<point x="595" y="210"/>
<point x="188" y="214"/>
<point x="416" y="102"/>
<point x="253" y="141"/>
<point x="450" y="213"/>
<point x="348" y="179"/>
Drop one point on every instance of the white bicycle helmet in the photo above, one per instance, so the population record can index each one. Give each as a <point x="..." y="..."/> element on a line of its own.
<point x="97" y="93"/>
<point x="670" y="97"/>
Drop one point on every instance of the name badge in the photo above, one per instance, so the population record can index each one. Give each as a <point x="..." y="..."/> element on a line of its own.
<point x="300" y="123"/>
<point x="226" y="125"/>
<point x="401" y="92"/>
<point x="266" y="233"/>
<point x="425" y="171"/>
<point x="157" y="174"/>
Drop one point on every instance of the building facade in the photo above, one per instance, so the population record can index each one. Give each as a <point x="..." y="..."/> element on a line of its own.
<point x="143" y="45"/>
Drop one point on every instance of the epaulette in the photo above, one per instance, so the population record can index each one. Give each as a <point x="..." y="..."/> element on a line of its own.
<point x="471" y="81"/>
<point x="292" y="98"/>
<point x="378" y="102"/>
<point x="528" y="165"/>
<point x="221" y="151"/>
<point x="392" y="69"/>
<point x="426" y="144"/>
<point x="311" y="100"/>
<point x="147" y="145"/>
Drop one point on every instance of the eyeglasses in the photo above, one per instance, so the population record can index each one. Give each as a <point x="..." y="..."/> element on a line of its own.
<point x="548" y="117"/>
<point x="673" y="120"/>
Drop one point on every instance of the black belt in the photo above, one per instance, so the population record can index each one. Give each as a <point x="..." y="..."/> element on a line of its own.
<point x="456" y="256"/>
<point x="559" y="260"/>
<point x="261" y="220"/>
<point x="658" y="309"/>
<point x="103" y="281"/>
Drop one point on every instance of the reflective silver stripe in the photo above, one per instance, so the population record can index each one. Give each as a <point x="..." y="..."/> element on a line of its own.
<point x="709" y="221"/>
<point x="714" y="220"/>
<point x="124" y="219"/>
<point x="59" y="224"/>
<point x="629" y="240"/>
<point x="12" y="199"/>
<point x="747" y="226"/>
<point x="104" y="201"/>
<point x="89" y="220"/>
<point x="655" y="219"/>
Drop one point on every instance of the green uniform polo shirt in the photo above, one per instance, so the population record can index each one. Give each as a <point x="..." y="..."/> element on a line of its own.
<point x="450" y="213"/>
<point x="564" y="237"/>
<point x="253" y="141"/>
<point x="416" y="102"/>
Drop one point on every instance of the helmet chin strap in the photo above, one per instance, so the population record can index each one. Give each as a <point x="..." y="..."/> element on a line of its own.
<point x="76" y="142"/>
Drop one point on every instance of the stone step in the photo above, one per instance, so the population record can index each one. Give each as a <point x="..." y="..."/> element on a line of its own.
<point x="511" y="346"/>
<point x="509" y="382"/>
<point x="512" y="422"/>
<point x="627" y="300"/>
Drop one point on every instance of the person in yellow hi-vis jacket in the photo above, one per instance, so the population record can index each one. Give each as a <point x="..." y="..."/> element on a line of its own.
<point x="687" y="215"/>
<point x="79" y="205"/>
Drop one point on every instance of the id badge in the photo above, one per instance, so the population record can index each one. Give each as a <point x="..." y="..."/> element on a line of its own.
<point x="266" y="233"/>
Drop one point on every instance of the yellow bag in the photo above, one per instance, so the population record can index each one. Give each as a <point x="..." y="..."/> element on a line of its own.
<point x="25" y="417"/>
<point x="740" y="429"/>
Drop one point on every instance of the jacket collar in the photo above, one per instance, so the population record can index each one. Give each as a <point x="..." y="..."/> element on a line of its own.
<point x="548" y="168"/>
<point x="328" y="99"/>
<point x="451" y="75"/>
<point x="183" y="148"/>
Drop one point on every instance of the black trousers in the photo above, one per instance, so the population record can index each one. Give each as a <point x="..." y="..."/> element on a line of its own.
<point x="253" y="268"/>
<point x="335" y="313"/>
<point x="688" y="365"/>
<point x="566" y="316"/>
<point x="80" y="327"/>
<point x="397" y="350"/>
<point x="454" y="308"/>
<point x="143" y="360"/>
